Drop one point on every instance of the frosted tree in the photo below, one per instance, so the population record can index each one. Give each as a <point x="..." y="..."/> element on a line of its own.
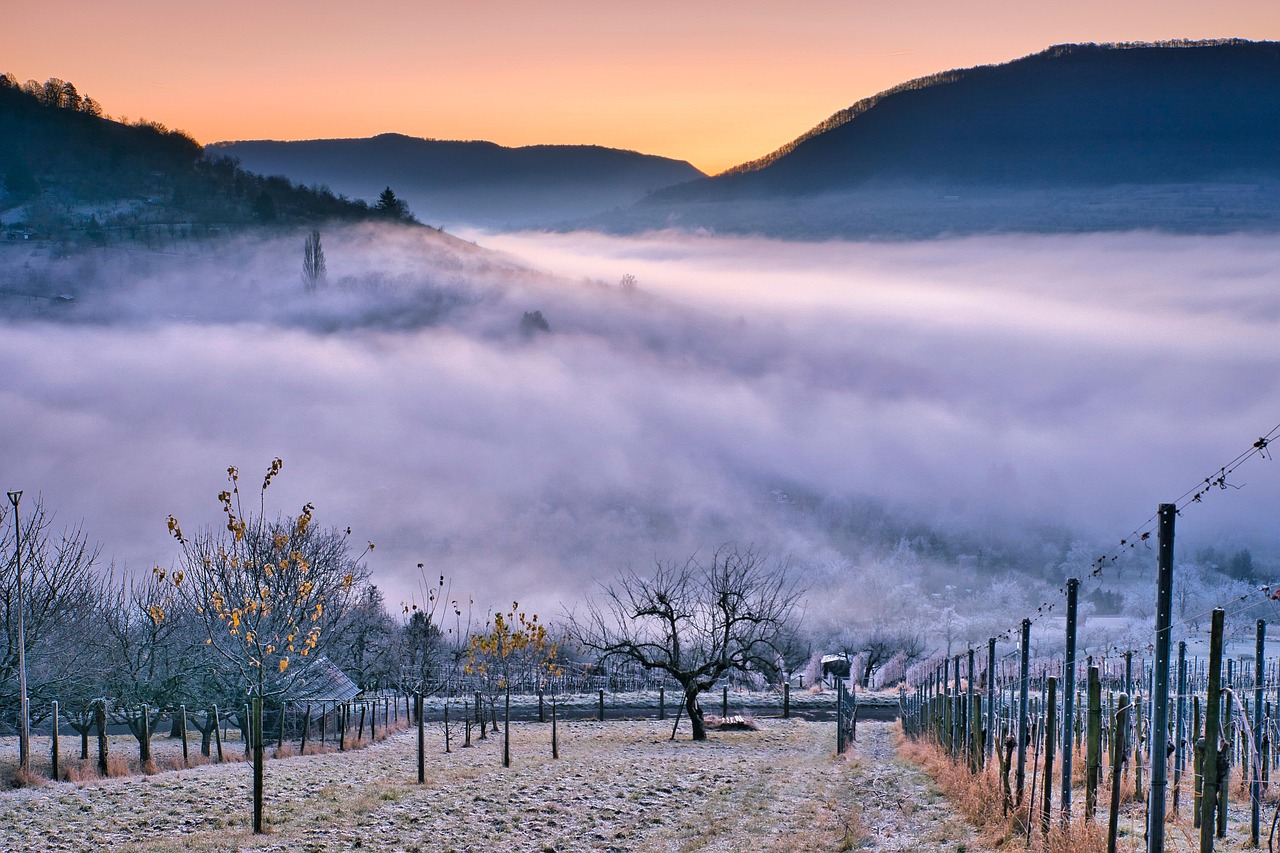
<point x="312" y="262"/>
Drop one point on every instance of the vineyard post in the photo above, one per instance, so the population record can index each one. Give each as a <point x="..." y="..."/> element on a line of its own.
<point x="1159" y="727"/>
<point x="1255" y="789"/>
<point x="1068" y="698"/>
<point x="1209" y="772"/>
<point x="1023" y="721"/>
<point x="53" y="743"/>
<point x="1050" y="732"/>
<point x="972" y="721"/>
<point x="422" y="739"/>
<point x="1117" y="761"/>
<point x="990" y="732"/>
<point x="1093" y="745"/>
<point x="1179" y="735"/>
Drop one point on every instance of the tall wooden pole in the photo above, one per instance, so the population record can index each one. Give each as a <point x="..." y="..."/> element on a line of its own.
<point x="990" y="732"/>
<point x="1213" y="701"/>
<point x="1024" y="727"/>
<point x="1159" y="728"/>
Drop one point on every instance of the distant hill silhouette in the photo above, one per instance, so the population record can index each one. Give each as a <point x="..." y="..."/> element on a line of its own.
<point x="1075" y="120"/>
<point x="469" y="182"/>
<point x="68" y="171"/>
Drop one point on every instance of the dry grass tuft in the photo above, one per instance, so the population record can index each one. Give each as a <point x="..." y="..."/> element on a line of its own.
<point x="25" y="779"/>
<point x="78" y="770"/>
<point x="979" y="798"/>
<point x="117" y="765"/>
<point x="285" y="750"/>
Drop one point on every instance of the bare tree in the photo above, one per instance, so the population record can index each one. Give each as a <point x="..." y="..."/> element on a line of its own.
<point x="60" y="586"/>
<point x="696" y="621"/>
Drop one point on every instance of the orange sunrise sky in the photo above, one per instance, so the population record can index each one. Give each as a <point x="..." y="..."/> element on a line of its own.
<point x="714" y="83"/>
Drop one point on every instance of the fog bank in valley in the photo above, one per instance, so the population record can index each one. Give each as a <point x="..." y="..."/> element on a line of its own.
<point x="825" y="401"/>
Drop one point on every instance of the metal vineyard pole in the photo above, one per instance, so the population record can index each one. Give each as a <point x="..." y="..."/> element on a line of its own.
<point x="1159" y="728"/>
<point x="1069" y="698"/>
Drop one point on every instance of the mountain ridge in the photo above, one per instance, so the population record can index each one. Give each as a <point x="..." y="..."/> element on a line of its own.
<point x="476" y="181"/>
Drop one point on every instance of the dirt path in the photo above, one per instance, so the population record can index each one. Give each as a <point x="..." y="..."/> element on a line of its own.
<point x="901" y="809"/>
<point x="618" y="786"/>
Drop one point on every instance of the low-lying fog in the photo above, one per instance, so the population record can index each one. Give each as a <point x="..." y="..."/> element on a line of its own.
<point x="746" y="390"/>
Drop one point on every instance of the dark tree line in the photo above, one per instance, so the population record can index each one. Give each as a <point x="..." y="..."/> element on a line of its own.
<point x="59" y="148"/>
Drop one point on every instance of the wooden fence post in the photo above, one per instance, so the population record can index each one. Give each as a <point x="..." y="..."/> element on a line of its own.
<point x="1093" y="746"/>
<point x="786" y="701"/>
<point x="422" y="740"/>
<point x="1209" y="771"/>
<point x="1024" y="723"/>
<point x="100" y="713"/>
<point x="506" y="730"/>
<point x="1050" y="744"/>
<point x="217" y="733"/>
<point x="1117" y="761"/>
<point x="186" y="757"/>
<point x="53" y="744"/>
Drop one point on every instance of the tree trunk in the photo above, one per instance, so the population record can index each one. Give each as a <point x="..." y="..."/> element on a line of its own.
<point x="694" y="710"/>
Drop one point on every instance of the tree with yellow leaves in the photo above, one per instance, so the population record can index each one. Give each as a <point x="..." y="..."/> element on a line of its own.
<point x="514" y="645"/>
<point x="266" y="591"/>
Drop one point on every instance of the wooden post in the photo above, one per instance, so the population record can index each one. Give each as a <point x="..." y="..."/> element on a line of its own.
<point x="447" y="750"/>
<point x="506" y="729"/>
<point x="1069" y="698"/>
<point x="1093" y="746"/>
<point x="100" y="714"/>
<point x="1197" y="763"/>
<point x="601" y="714"/>
<point x="786" y="701"/>
<point x="324" y="722"/>
<point x="306" y="729"/>
<point x="989" y="730"/>
<point x="480" y="714"/>
<point x="1160" y="680"/>
<point x="53" y="743"/>
<point x="1117" y="761"/>
<point x="422" y="740"/>
<point x="542" y="717"/>
<point x="1050" y="744"/>
<point x="217" y="733"/>
<point x="186" y="758"/>
<point x="1224" y="765"/>
<point x="1139" y="737"/>
<point x="1024" y="723"/>
<point x="360" y="731"/>
<point x="662" y="702"/>
<point x="1209" y="772"/>
<point x="342" y="727"/>
<point x="466" y="718"/>
<point x="724" y="702"/>
<point x="555" y="741"/>
<point x="255" y="726"/>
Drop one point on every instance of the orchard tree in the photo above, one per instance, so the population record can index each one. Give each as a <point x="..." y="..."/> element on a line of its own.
<point x="266" y="592"/>
<point x="697" y="621"/>
<point x="265" y="589"/>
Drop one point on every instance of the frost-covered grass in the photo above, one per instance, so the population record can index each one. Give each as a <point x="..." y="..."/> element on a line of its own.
<point x="616" y="786"/>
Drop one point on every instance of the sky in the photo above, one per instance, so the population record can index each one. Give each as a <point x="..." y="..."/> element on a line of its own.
<point x="715" y="82"/>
